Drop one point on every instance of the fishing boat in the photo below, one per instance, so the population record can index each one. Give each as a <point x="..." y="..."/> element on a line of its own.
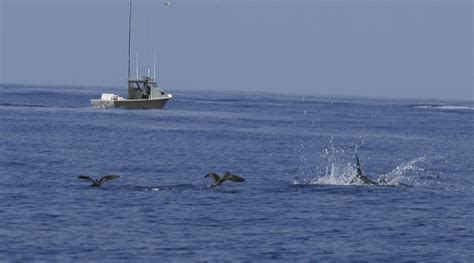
<point x="143" y="93"/>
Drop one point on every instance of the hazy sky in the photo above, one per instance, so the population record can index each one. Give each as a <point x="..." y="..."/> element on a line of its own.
<point x="396" y="48"/>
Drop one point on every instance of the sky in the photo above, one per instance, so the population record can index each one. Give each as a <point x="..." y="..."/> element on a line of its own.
<point x="368" y="48"/>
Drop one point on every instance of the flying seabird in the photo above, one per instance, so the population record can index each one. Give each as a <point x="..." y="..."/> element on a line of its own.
<point x="359" y="177"/>
<point x="99" y="182"/>
<point x="227" y="176"/>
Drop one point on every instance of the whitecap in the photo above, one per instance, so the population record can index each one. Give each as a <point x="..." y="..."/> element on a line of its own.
<point x="445" y="107"/>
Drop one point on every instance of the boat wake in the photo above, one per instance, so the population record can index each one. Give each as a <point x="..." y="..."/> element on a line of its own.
<point x="22" y="105"/>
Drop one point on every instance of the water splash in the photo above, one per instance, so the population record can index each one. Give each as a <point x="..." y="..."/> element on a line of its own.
<point x="334" y="170"/>
<point x="407" y="172"/>
<point x="336" y="174"/>
<point x="338" y="168"/>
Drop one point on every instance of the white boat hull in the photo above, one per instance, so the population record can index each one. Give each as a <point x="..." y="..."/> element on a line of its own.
<point x="130" y="104"/>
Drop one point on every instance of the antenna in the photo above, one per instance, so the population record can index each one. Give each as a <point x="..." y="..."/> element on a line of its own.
<point x="129" y="36"/>
<point x="154" y="65"/>
<point x="136" y="62"/>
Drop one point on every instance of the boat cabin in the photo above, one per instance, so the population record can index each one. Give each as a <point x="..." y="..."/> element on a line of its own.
<point x="145" y="88"/>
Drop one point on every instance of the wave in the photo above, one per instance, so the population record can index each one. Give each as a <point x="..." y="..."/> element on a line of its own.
<point x="445" y="107"/>
<point x="22" y="105"/>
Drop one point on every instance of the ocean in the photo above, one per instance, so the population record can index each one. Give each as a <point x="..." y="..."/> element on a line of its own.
<point x="297" y="154"/>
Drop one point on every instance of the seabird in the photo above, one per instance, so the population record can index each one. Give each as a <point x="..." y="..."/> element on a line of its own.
<point x="359" y="177"/>
<point x="227" y="176"/>
<point x="99" y="182"/>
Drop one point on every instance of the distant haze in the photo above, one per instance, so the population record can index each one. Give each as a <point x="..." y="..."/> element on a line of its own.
<point x="398" y="49"/>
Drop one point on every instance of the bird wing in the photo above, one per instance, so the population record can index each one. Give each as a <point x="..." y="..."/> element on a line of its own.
<point x="107" y="178"/>
<point x="213" y="176"/>
<point x="86" y="178"/>
<point x="232" y="177"/>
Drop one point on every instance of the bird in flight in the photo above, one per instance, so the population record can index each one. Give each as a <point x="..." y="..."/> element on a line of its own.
<point x="227" y="176"/>
<point x="99" y="182"/>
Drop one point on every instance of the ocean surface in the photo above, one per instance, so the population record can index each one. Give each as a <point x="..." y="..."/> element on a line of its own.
<point x="296" y="153"/>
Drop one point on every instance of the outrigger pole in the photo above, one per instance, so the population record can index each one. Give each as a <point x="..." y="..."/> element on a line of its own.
<point x="154" y="65"/>
<point x="129" y="36"/>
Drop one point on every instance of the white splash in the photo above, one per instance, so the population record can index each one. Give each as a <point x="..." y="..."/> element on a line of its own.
<point x="334" y="171"/>
<point x="407" y="172"/>
<point x="339" y="170"/>
<point x="336" y="174"/>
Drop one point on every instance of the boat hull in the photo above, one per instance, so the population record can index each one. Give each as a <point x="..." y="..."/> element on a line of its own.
<point x="130" y="104"/>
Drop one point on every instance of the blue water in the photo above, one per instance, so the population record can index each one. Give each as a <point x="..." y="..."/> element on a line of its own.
<point x="296" y="153"/>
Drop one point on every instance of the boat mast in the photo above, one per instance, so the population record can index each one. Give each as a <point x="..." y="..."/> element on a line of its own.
<point x="129" y="36"/>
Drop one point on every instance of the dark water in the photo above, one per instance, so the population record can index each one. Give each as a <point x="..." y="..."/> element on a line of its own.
<point x="296" y="153"/>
